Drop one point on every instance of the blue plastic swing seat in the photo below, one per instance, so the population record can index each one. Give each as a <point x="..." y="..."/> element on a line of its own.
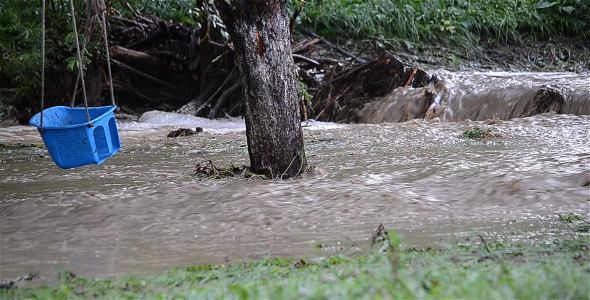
<point x="71" y="141"/>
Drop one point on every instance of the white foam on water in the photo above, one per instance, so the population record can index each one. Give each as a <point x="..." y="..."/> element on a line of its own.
<point x="157" y="123"/>
<point x="312" y="124"/>
<point x="158" y="119"/>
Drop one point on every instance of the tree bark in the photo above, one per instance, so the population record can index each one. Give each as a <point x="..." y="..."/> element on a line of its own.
<point x="259" y="30"/>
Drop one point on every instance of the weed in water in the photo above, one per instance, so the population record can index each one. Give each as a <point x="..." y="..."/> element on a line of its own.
<point x="570" y="218"/>
<point x="576" y="222"/>
<point x="479" y="133"/>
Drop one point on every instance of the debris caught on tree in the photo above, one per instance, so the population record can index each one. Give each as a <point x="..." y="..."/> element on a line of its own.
<point x="184" y="132"/>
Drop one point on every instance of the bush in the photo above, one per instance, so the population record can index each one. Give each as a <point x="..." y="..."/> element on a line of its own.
<point x="20" y="39"/>
<point x="450" y="21"/>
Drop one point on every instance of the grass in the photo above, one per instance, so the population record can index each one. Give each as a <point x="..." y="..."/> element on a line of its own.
<point x="534" y="35"/>
<point x="544" y="270"/>
<point x="449" y="22"/>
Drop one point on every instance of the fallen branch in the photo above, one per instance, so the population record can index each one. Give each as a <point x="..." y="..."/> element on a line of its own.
<point x="10" y="284"/>
<point x="141" y="95"/>
<point x="221" y="100"/>
<point x="145" y="39"/>
<point x="411" y="76"/>
<point x="133" y="56"/>
<point x="336" y="48"/>
<point x="300" y="47"/>
<point x="181" y="132"/>
<point x="204" y="104"/>
<point x="351" y="71"/>
<point x="138" y="72"/>
<point x="306" y="59"/>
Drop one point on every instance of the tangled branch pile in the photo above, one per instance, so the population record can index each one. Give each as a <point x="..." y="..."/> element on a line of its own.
<point x="189" y="67"/>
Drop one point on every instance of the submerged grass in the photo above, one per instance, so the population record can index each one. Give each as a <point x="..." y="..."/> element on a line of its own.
<point x="554" y="270"/>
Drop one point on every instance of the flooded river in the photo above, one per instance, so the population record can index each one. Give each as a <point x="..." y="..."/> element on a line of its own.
<point x="142" y="211"/>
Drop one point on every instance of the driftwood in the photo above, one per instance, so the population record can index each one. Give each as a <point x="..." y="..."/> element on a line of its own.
<point x="133" y="56"/>
<point x="308" y="60"/>
<point x="345" y="90"/>
<point x="304" y="45"/>
<point x="336" y="48"/>
<point x="138" y="72"/>
<point x="163" y="65"/>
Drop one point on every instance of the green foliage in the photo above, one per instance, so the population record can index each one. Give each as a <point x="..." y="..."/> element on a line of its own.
<point x="478" y="133"/>
<point x="449" y="21"/>
<point x="20" y="44"/>
<point x="304" y="93"/>
<point x="19" y="47"/>
<point x="20" y="39"/>
<point x="570" y="218"/>
<point x="183" y="11"/>
<point x="394" y="240"/>
<point x="568" y="17"/>
<point x="575" y="222"/>
<point x="5" y="109"/>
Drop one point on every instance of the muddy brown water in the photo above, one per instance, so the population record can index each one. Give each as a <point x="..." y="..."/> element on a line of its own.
<point x="484" y="95"/>
<point x="142" y="212"/>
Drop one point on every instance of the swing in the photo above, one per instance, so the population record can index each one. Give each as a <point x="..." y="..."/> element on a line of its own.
<point x="78" y="136"/>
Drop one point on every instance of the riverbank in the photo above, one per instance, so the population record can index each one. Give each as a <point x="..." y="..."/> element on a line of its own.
<point x="562" y="55"/>
<point x="519" y="35"/>
<point x="519" y="266"/>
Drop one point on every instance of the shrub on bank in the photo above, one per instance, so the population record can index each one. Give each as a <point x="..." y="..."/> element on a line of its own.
<point x="450" y="21"/>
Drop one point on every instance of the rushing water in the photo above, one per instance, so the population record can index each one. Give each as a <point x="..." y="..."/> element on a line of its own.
<point x="481" y="96"/>
<point x="143" y="212"/>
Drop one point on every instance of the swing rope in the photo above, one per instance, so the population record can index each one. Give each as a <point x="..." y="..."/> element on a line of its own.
<point x="73" y="103"/>
<point x="106" y="45"/>
<point x="88" y="31"/>
<point x="42" y="61"/>
<point x="80" y="64"/>
<point x="80" y="77"/>
<point x="103" y="24"/>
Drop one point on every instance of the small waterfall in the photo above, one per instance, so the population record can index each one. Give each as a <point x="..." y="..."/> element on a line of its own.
<point x="482" y="96"/>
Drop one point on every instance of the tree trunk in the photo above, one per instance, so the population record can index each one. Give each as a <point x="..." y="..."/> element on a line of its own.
<point x="259" y="30"/>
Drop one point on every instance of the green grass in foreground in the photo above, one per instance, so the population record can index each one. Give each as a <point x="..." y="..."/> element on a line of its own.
<point x="556" y="270"/>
